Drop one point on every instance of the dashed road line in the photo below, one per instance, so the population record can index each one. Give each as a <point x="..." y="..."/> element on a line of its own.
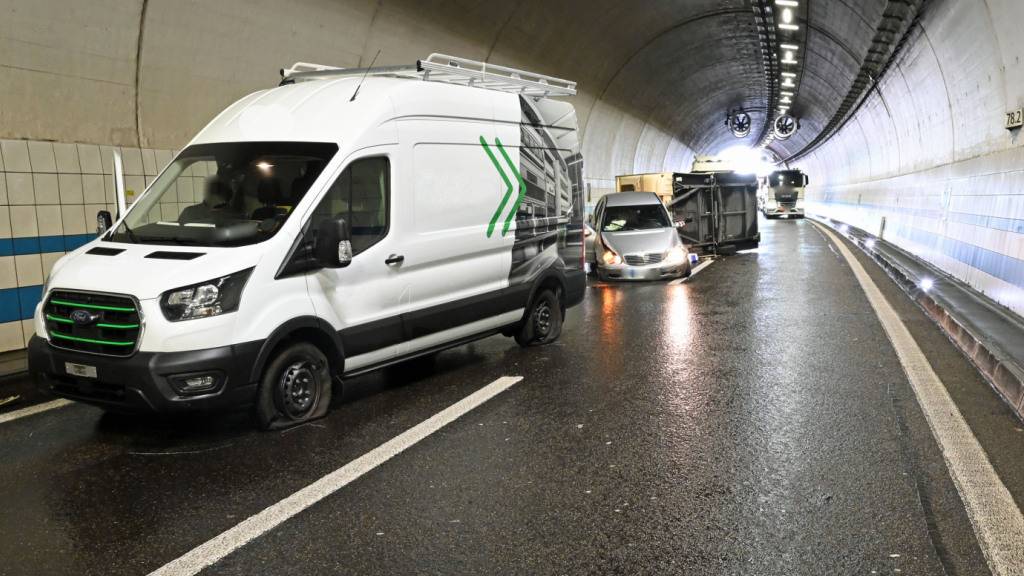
<point x="36" y="409"/>
<point x="995" y="517"/>
<point x="226" y="542"/>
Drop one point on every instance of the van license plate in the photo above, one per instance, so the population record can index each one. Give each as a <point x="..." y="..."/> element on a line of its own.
<point x="80" y="370"/>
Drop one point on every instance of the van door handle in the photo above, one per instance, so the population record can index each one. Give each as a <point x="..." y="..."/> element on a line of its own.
<point x="394" y="259"/>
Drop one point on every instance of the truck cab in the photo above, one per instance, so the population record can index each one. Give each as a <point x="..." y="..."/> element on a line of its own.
<point x="781" y="194"/>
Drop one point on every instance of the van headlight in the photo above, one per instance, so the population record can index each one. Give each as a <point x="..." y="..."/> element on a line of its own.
<point x="210" y="298"/>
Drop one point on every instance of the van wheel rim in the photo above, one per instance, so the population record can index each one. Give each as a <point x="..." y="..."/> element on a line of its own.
<point x="298" y="389"/>
<point x="542" y="320"/>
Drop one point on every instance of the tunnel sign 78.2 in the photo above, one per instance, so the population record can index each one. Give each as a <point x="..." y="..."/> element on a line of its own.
<point x="1015" y="118"/>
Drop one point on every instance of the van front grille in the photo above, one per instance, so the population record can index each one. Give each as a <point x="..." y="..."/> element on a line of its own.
<point x="643" y="259"/>
<point x="107" y="324"/>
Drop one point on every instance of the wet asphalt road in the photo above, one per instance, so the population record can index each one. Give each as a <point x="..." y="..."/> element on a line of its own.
<point x="753" y="420"/>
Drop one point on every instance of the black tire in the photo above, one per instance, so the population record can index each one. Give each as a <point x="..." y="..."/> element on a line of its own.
<point x="689" y="270"/>
<point x="543" y="322"/>
<point x="295" y="387"/>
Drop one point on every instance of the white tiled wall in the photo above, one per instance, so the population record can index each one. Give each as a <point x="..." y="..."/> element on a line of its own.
<point x="52" y="190"/>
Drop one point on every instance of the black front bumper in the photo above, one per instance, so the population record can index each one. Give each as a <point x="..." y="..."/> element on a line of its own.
<point x="139" y="383"/>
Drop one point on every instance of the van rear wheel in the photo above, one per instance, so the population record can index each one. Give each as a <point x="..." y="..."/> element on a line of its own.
<point x="295" y="388"/>
<point x="543" y="322"/>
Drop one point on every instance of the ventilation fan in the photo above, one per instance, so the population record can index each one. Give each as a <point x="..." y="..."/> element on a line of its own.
<point x="739" y="122"/>
<point x="785" y="126"/>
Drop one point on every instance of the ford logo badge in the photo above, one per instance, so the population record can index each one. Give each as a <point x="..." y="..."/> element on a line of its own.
<point x="84" y="317"/>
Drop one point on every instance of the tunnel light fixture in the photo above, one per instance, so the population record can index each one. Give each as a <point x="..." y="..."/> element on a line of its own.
<point x="792" y="47"/>
<point x="788" y="83"/>
<point x="788" y="27"/>
<point x="869" y="243"/>
<point x="785" y="93"/>
<point x="790" y="3"/>
<point x="785" y="100"/>
<point x="787" y="15"/>
<point x="789" y="75"/>
<point x="926" y="284"/>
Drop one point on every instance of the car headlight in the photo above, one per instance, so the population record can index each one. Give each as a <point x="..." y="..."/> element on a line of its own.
<point x="676" y="254"/>
<point x="610" y="257"/>
<point x="205" y="299"/>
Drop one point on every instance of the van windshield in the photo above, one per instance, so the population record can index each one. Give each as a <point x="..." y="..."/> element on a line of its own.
<point x="225" y="194"/>
<point x="643" y="217"/>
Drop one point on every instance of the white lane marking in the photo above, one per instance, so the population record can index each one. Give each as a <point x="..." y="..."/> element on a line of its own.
<point x="260" y="523"/>
<point x="995" y="517"/>
<point x="693" y="272"/>
<point x="14" y="415"/>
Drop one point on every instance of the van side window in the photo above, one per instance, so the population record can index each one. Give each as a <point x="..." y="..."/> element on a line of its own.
<point x="361" y="195"/>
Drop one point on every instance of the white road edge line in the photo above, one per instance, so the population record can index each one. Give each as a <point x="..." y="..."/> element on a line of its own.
<point x="14" y="415"/>
<point x="995" y="517"/>
<point x="262" y="522"/>
<point x="693" y="272"/>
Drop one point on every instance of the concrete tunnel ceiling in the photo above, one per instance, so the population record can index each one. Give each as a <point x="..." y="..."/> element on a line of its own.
<point x="655" y="83"/>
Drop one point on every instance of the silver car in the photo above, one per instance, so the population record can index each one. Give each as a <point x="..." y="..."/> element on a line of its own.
<point x="635" y="239"/>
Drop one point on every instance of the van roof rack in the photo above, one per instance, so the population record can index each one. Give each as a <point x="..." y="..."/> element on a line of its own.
<point x="447" y="69"/>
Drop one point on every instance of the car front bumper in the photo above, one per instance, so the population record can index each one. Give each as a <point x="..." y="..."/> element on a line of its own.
<point x="142" y="382"/>
<point x="785" y="213"/>
<point x="648" y="272"/>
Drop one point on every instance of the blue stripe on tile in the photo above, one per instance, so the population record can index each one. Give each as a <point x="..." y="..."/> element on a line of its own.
<point x="29" y="297"/>
<point x="51" y="244"/>
<point x="77" y="241"/>
<point x="1002" y="266"/>
<point x="43" y="244"/>
<point x="26" y="245"/>
<point x="19" y="303"/>
<point x="10" y="309"/>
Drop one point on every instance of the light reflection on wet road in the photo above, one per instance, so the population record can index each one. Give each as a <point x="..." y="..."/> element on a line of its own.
<point x="754" y="420"/>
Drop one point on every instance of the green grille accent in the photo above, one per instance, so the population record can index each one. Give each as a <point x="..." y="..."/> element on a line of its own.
<point x="119" y="326"/>
<point x="93" y="306"/>
<point x="91" y="341"/>
<point x="59" y="319"/>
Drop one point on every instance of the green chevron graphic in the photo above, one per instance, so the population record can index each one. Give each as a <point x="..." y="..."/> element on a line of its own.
<point x="508" y="187"/>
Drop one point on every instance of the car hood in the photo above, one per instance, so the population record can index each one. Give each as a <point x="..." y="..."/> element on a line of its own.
<point x="147" y="270"/>
<point x="641" y="241"/>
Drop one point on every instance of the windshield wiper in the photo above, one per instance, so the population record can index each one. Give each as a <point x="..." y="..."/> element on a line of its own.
<point x="128" y="231"/>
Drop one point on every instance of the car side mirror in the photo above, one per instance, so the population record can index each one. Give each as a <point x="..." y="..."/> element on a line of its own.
<point x="683" y="222"/>
<point x="104" y="221"/>
<point x="332" y="247"/>
<point x="807" y="180"/>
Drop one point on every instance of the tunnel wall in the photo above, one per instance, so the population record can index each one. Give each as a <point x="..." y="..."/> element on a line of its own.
<point x="928" y="155"/>
<point x="80" y="78"/>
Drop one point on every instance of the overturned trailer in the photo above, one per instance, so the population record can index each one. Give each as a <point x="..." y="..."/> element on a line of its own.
<point x="716" y="211"/>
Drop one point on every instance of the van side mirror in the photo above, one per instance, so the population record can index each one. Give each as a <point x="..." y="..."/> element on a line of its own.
<point x="103" y="221"/>
<point x="807" y="180"/>
<point x="333" y="245"/>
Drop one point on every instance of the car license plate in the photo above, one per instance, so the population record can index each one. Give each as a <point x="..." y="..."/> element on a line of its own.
<point x="80" y="370"/>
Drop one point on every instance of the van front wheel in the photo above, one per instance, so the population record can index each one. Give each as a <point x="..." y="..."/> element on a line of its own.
<point x="296" y="387"/>
<point x="543" y="323"/>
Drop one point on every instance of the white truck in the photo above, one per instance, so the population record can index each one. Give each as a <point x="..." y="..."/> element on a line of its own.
<point x="344" y="221"/>
<point x="781" y="194"/>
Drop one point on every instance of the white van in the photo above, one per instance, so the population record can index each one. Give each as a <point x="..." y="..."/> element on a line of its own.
<point x="344" y="221"/>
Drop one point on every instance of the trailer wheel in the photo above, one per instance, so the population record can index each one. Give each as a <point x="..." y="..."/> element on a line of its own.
<point x="543" y="322"/>
<point x="295" y="388"/>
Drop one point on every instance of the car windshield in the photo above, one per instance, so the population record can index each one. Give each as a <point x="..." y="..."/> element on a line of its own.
<point x="643" y="217"/>
<point x="224" y="194"/>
